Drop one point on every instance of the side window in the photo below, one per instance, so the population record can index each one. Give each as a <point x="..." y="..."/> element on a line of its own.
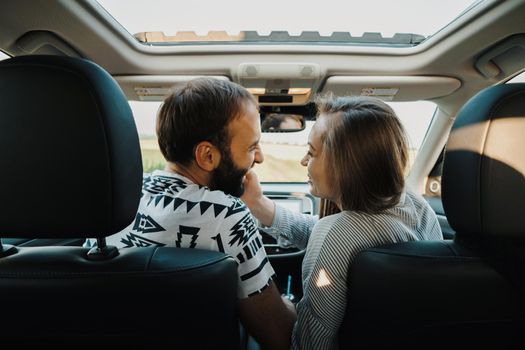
<point x="282" y="151"/>
<point x="520" y="78"/>
<point x="3" y="56"/>
<point x="415" y="117"/>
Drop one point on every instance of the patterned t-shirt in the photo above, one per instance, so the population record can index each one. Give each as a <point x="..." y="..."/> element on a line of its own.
<point x="174" y="211"/>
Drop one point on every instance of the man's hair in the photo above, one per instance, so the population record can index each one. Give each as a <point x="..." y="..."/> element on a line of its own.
<point x="367" y="152"/>
<point x="200" y="110"/>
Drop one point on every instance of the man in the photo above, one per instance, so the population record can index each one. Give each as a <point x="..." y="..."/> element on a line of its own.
<point x="208" y="131"/>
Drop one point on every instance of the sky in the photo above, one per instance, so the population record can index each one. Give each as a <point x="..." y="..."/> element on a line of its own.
<point x="423" y="17"/>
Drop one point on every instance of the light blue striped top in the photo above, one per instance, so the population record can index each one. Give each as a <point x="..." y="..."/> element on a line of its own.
<point x="332" y="244"/>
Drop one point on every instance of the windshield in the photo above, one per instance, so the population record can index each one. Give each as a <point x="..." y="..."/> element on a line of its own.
<point x="389" y="23"/>
<point x="282" y="151"/>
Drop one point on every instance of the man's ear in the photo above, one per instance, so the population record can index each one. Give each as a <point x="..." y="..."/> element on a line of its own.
<point x="207" y="156"/>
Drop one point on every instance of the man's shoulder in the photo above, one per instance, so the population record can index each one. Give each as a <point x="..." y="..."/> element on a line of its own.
<point x="160" y="182"/>
<point x="219" y="197"/>
<point x="174" y="191"/>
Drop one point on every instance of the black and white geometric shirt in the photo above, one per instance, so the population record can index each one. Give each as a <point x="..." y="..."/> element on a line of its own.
<point x="174" y="211"/>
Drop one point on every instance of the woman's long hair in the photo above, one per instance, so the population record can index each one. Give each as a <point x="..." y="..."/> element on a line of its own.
<point x="366" y="150"/>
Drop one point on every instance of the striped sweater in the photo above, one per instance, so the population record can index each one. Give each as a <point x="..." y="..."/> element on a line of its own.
<point x="332" y="244"/>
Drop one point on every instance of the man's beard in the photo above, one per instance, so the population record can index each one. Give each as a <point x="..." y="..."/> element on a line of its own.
<point x="227" y="177"/>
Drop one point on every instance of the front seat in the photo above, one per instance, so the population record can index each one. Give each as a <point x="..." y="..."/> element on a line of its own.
<point x="71" y="168"/>
<point x="469" y="292"/>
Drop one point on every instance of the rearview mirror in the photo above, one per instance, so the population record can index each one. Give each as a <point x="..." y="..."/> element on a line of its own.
<point x="281" y="122"/>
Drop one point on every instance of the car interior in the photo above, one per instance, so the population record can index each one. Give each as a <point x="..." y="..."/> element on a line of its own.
<point x="80" y="85"/>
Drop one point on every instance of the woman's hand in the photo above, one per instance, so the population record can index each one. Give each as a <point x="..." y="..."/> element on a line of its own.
<point x="261" y="206"/>
<point x="252" y="188"/>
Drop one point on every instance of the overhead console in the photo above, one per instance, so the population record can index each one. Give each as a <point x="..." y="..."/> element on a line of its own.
<point x="280" y="84"/>
<point x="392" y="88"/>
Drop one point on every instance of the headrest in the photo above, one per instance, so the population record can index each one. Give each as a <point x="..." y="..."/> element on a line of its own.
<point x="69" y="149"/>
<point x="484" y="167"/>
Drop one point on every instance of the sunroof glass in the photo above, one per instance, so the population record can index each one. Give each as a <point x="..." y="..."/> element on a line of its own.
<point x="390" y="23"/>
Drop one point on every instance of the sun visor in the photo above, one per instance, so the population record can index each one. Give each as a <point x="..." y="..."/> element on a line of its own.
<point x="392" y="88"/>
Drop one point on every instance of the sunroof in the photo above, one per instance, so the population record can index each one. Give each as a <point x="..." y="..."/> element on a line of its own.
<point x="368" y="22"/>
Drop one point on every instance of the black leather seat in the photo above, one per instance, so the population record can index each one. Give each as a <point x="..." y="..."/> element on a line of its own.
<point x="71" y="168"/>
<point x="469" y="292"/>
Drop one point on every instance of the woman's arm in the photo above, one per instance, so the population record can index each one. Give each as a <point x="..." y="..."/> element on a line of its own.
<point x="293" y="226"/>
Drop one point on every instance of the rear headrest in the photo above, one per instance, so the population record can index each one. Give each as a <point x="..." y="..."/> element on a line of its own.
<point x="69" y="150"/>
<point x="484" y="167"/>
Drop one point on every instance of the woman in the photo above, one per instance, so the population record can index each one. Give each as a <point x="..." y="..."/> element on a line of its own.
<point x="357" y="159"/>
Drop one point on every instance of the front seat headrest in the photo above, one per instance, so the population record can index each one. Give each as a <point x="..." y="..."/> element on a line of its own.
<point x="484" y="167"/>
<point x="69" y="149"/>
